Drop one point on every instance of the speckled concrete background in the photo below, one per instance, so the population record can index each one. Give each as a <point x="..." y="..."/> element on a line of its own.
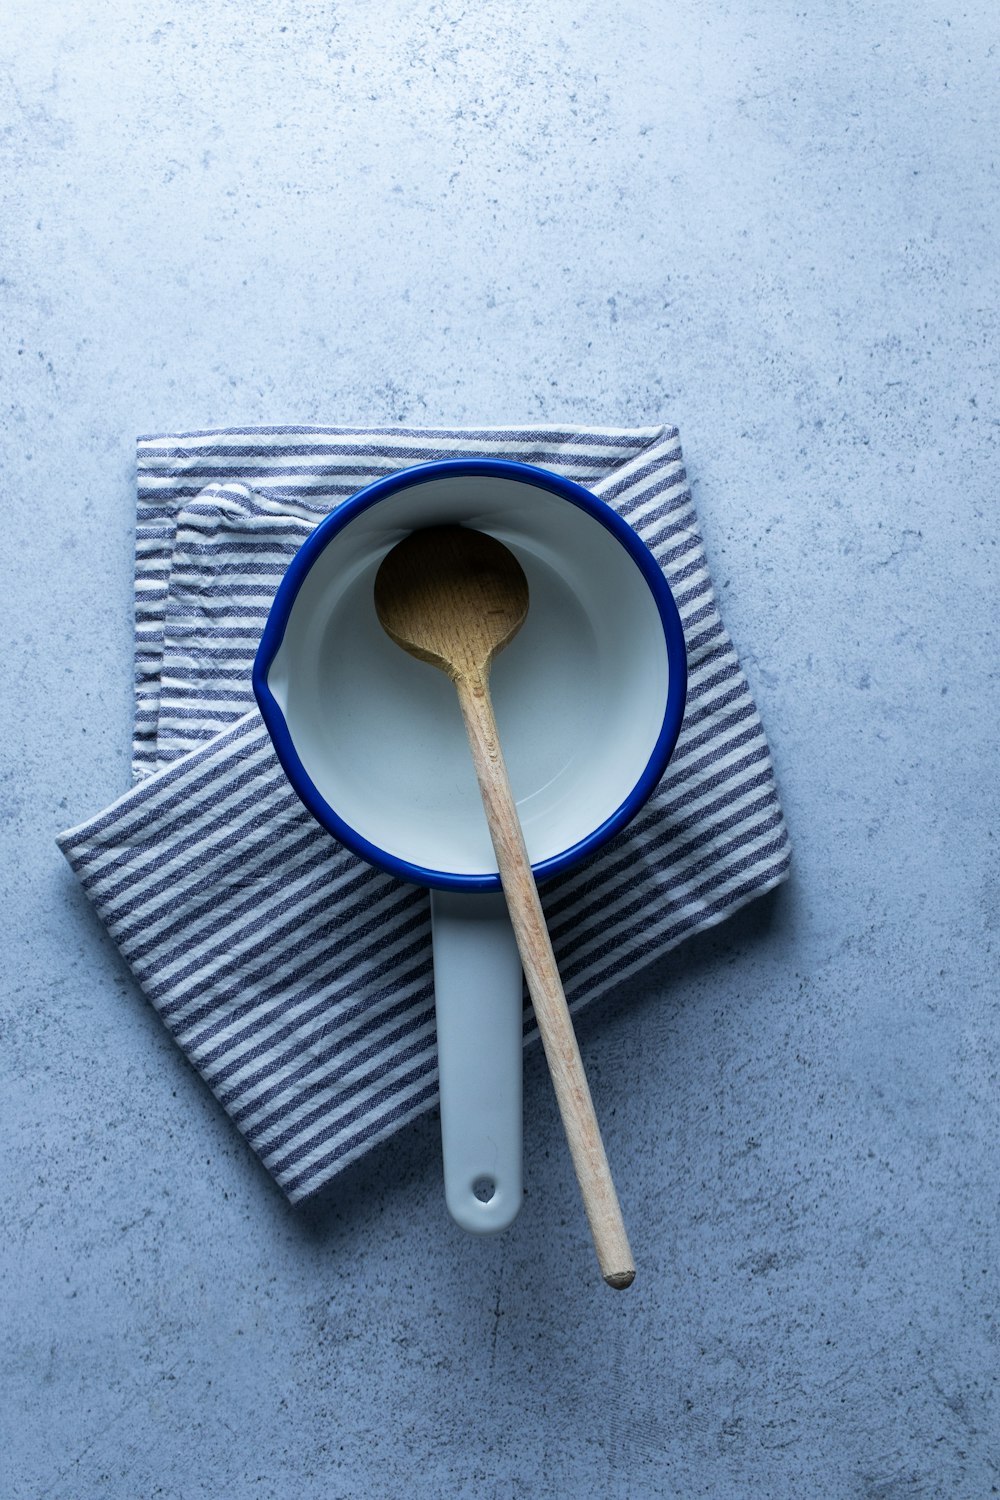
<point x="777" y="227"/>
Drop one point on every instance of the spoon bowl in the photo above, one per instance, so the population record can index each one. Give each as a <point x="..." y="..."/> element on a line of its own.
<point x="452" y="597"/>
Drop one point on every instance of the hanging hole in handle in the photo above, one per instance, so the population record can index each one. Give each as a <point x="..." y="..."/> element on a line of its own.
<point x="484" y="1189"/>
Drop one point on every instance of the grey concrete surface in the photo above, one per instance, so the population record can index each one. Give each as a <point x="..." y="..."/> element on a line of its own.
<point x="776" y="226"/>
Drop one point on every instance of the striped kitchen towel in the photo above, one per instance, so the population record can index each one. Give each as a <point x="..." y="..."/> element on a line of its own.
<point x="296" y="978"/>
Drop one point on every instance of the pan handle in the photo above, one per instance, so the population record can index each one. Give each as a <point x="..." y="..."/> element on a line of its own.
<point x="478" y="997"/>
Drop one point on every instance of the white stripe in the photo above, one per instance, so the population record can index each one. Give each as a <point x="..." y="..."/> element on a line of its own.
<point x="353" y="471"/>
<point x="311" y="940"/>
<point x="393" y="1115"/>
<point x="154" y="809"/>
<point x="554" y="437"/>
<point x="290" y="1108"/>
<point x="622" y="967"/>
<point x="393" y="1118"/>
<point x="296" y="1161"/>
<point x="681" y="881"/>
<point x="681" y="877"/>
<point x="303" y="1026"/>
<point x="203" y="856"/>
<point x="681" y="519"/>
<point x="154" y="920"/>
<point x="328" y="1100"/>
<point x="638" y="494"/>
<point x="163" y="803"/>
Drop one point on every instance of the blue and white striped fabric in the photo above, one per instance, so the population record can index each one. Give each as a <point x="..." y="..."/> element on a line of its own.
<point x="296" y="978"/>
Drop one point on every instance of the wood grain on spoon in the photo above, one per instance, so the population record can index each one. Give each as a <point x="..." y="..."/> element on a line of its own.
<point x="455" y="597"/>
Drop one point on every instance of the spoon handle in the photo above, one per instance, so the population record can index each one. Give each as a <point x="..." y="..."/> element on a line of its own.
<point x="545" y="987"/>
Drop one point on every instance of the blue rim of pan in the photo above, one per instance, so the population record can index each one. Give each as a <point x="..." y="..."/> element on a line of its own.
<point x="348" y="511"/>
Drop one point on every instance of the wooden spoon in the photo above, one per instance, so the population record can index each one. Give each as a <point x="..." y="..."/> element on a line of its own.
<point x="454" y="597"/>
